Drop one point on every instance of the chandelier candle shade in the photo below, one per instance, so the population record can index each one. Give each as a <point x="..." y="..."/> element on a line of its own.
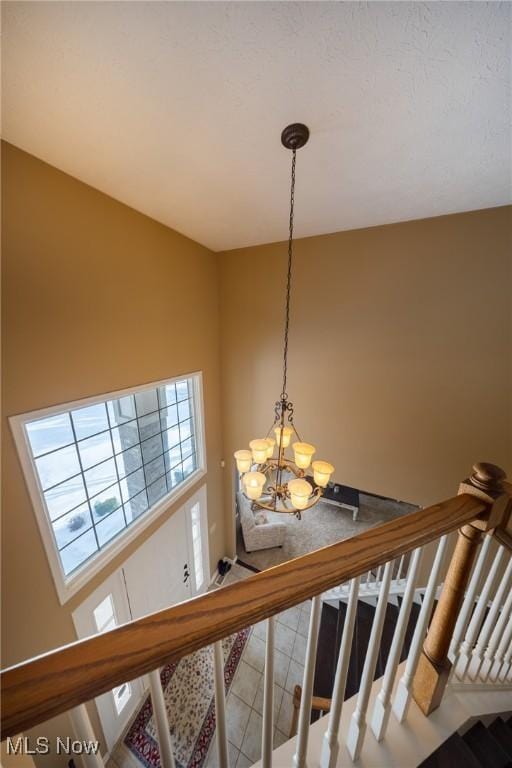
<point x="270" y="479"/>
<point x="322" y="471"/>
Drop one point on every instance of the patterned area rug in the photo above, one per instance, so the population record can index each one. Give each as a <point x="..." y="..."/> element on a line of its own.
<point x="189" y="697"/>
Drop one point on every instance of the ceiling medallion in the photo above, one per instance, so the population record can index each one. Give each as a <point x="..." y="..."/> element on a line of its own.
<point x="270" y="479"/>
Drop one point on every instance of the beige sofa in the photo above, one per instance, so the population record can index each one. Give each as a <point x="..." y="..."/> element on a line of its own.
<point x="263" y="536"/>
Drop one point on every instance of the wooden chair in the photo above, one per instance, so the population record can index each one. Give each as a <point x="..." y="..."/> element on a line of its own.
<point x="318" y="704"/>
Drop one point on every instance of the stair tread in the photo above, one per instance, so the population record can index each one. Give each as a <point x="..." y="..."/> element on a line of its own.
<point x="326" y="655"/>
<point x="485" y="747"/>
<point x="409" y="632"/>
<point x="452" y="752"/>
<point x="503" y="735"/>
<point x="388" y="632"/>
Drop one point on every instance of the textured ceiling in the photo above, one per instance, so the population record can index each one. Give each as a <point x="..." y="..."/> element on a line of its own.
<point x="177" y="108"/>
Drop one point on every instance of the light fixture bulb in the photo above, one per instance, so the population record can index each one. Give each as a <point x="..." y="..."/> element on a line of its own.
<point x="253" y="484"/>
<point x="259" y="450"/>
<point x="243" y="460"/>
<point x="322" y="472"/>
<point x="270" y="443"/>
<point x="287" y="433"/>
<point x="303" y="454"/>
<point x="300" y="491"/>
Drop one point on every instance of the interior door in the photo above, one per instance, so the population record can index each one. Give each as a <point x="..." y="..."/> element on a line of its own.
<point x="158" y="575"/>
<point x="104" y="609"/>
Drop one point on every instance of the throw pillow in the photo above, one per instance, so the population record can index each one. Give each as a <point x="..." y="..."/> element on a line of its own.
<point x="260" y="518"/>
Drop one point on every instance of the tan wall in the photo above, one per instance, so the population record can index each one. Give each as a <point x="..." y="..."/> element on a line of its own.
<point x="96" y="297"/>
<point x="400" y="363"/>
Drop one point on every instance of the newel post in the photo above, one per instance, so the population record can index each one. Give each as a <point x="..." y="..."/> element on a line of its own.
<point x="486" y="483"/>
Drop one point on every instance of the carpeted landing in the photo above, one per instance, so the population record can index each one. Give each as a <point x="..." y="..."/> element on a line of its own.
<point x="320" y="526"/>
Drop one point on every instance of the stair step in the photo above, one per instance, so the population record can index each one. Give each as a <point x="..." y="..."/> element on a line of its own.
<point x="388" y="632"/>
<point x="485" y="747"/>
<point x="454" y="752"/>
<point x="360" y="643"/>
<point x="327" y="653"/>
<point x="411" y="626"/>
<point x="503" y="735"/>
<point x="329" y="640"/>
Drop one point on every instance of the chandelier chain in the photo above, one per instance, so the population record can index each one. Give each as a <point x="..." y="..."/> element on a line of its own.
<point x="270" y="479"/>
<point x="284" y="395"/>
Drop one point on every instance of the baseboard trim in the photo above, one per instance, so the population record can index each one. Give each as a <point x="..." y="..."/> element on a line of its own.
<point x="248" y="566"/>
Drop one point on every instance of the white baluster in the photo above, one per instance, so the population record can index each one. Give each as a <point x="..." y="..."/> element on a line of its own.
<point x="496" y="636"/>
<point x="499" y="658"/>
<point x="331" y="745"/>
<point x="220" y="705"/>
<point x="299" y="758"/>
<point x="357" y="727"/>
<point x="469" y="601"/>
<point x="504" y="674"/>
<point x="378" y="576"/>
<point x="268" y="699"/>
<point x="403" y="692"/>
<point x="477" y="655"/>
<point x="478" y="616"/>
<point x="382" y="706"/>
<point x="161" y="721"/>
<point x="84" y="732"/>
<point x="400" y="568"/>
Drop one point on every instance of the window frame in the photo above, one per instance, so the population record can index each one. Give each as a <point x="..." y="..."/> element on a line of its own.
<point x="67" y="586"/>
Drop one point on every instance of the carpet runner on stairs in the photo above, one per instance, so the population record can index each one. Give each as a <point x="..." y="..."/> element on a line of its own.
<point x="329" y="640"/>
<point x="479" y="747"/>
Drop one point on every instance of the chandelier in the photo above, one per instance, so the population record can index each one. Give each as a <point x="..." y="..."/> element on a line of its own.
<point x="269" y="478"/>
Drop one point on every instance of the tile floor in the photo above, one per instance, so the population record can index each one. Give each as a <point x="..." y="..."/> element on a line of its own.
<point x="244" y="704"/>
<point x="245" y="699"/>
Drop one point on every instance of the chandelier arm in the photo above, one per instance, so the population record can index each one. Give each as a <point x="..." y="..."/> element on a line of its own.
<point x="272" y="505"/>
<point x="271" y="429"/>
<point x="273" y="464"/>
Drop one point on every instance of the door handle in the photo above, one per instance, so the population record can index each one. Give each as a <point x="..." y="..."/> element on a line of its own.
<point x="187" y="576"/>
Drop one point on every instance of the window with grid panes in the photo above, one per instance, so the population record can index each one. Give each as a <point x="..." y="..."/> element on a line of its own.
<point x="102" y="466"/>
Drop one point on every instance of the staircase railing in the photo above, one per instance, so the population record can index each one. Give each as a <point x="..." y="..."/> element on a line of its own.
<point x="371" y="582"/>
<point x="481" y="649"/>
<point x="64" y="679"/>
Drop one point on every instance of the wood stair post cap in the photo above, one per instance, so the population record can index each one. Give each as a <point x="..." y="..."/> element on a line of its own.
<point x="488" y="483"/>
<point x="488" y="476"/>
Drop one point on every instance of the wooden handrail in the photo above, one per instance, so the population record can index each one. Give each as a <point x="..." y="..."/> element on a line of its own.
<point x="48" y="685"/>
